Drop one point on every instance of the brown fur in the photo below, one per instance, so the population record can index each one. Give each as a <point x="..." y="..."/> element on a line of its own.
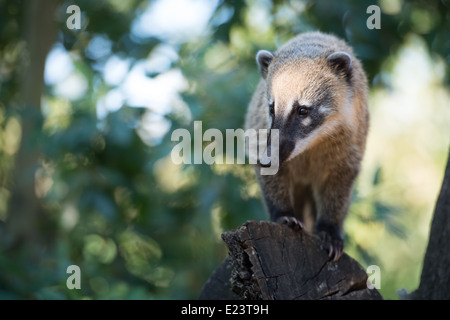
<point x="315" y="183"/>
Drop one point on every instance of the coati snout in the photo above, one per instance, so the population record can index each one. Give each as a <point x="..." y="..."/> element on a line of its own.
<point x="314" y="91"/>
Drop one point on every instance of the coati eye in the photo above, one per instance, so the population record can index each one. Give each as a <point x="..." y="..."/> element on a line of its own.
<point x="303" y="111"/>
<point x="272" y="108"/>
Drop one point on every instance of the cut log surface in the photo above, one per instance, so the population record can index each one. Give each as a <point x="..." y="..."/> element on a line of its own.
<point x="271" y="261"/>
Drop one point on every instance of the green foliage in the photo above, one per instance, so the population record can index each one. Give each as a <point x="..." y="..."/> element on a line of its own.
<point x="141" y="227"/>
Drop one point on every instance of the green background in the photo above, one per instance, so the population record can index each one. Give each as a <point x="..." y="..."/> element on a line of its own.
<point x="110" y="199"/>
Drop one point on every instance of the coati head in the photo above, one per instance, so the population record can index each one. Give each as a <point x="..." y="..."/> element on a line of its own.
<point x="308" y="97"/>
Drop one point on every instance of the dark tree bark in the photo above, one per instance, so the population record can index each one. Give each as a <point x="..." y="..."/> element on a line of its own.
<point x="271" y="261"/>
<point x="39" y="33"/>
<point x="218" y="286"/>
<point x="435" y="278"/>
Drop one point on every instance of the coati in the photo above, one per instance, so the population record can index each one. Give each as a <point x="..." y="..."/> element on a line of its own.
<point x="314" y="91"/>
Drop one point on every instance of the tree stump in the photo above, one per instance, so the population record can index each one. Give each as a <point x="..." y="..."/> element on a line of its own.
<point x="271" y="261"/>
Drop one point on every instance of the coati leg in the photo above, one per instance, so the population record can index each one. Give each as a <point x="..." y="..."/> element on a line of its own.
<point x="293" y="205"/>
<point x="333" y="200"/>
<point x="283" y="216"/>
<point x="304" y="205"/>
<point x="304" y="209"/>
<point x="277" y="200"/>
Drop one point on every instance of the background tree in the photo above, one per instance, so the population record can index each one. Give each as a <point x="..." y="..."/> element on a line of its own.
<point x="85" y="170"/>
<point x="435" y="278"/>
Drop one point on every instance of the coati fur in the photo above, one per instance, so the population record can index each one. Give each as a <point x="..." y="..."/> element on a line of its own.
<point x="314" y="91"/>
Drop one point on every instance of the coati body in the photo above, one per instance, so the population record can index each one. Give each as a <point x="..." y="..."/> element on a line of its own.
<point x="314" y="91"/>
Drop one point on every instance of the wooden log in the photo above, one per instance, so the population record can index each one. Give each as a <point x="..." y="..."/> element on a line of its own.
<point x="273" y="262"/>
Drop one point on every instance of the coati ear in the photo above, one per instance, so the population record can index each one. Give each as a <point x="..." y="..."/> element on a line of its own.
<point x="341" y="61"/>
<point x="264" y="58"/>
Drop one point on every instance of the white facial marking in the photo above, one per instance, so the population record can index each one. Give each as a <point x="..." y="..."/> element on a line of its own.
<point x="287" y="109"/>
<point x="323" y="109"/>
<point x="306" y="122"/>
<point x="304" y="103"/>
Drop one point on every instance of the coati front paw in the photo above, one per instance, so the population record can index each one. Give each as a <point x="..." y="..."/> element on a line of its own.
<point x="291" y="222"/>
<point x="331" y="240"/>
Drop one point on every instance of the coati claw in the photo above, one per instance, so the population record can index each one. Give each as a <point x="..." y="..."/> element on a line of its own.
<point x="330" y="253"/>
<point x="291" y="222"/>
<point x="333" y="245"/>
